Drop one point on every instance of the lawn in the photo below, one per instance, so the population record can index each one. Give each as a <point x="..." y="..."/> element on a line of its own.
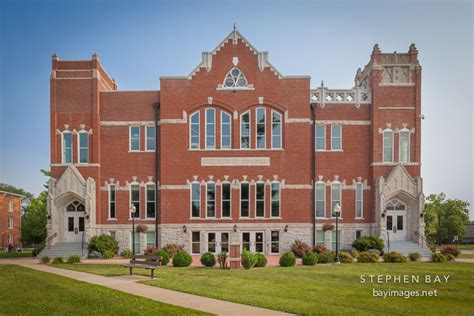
<point x="466" y="256"/>
<point x="9" y="255"/>
<point x="29" y="292"/>
<point x="330" y="289"/>
<point x="466" y="246"/>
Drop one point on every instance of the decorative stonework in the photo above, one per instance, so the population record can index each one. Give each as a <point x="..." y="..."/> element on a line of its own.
<point x="235" y="161"/>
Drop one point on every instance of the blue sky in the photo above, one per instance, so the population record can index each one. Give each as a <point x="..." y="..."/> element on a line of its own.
<point x="139" y="41"/>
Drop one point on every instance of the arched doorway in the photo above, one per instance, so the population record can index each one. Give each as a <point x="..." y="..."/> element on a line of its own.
<point x="396" y="220"/>
<point x="74" y="221"/>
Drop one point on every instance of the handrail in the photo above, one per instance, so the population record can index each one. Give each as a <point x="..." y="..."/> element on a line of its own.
<point x="82" y="245"/>
<point x="47" y="241"/>
<point x="388" y="241"/>
<point x="426" y="243"/>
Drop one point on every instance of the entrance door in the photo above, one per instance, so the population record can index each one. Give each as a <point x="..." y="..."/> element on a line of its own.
<point x="396" y="220"/>
<point x="74" y="222"/>
<point x="253" y="241"/>
<point x="218" y="242"/>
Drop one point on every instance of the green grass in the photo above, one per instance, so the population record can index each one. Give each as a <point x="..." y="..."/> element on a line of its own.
<point x="466" y="246"/>
<point x="29" y="292"/>
<point x="329" y="289"/>
<point x="9" y="255"/>
<point x="466" y="256"/>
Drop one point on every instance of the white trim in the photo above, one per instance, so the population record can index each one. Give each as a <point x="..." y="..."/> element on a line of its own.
<point x="139" y="200"/>
<point x="397" y="108"/>
<point x="388" y="130"/>
<point x="130" y="138"/>
<point x="340" y="198"/>
<point x="316" y="137"/>
<point x="207" y="195"/>
<point x="146" y="138"/>
<point x="380" y="163"/>
<point x="75" y="164"/>
<point x="230" y="199"/>
<point x="250" y="130"/>
<point x="235" y="161"/>
<point x="205" y="127"/>
<point x="79" y="147"/>
<point x="230" y="130"/>
<point x="62" y="147"/>
<point x="191" y="200"/>
<point x="146" y="199"/>
<point x="405" y="130"/>
<point x="281" y="129"/>
<point x="343" y="122"/>
<point x="264" y="128"/>
<point x="255" y="198"/>
<point x="361" y="200"/>
<point x="340" y="137"/>
<point x="10" y="206"/>
<point x="125" y="123"/>
<point x="316" y="200"/>
<point x="199" y="130"/>
<point x="279" y="199"/>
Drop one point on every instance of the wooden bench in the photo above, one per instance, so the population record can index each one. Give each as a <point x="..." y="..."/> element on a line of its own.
<point x="144" y="262"/>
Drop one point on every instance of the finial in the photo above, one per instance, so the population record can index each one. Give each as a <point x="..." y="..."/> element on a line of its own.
<point x="55" y="56"/>
<point x="376" y="49"/>
<point x="94" y="56"/>
<point x="235" y="26"/>
<point x="412" y="48"/>
<point x="322" y="83"/>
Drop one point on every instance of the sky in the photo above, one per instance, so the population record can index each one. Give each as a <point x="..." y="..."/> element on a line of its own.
<point x="139" y="41"/>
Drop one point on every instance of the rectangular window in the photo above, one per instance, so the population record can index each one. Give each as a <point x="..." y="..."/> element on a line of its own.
<point x="10" y="223"/>
<point x="320" y="200"/>
<point x="150" y="201"/>
<point x="211" y="200"/>
<point x="224" y="242"/>
<point x="210" y="128"/>
<point x="70" y="224"/>
<point x="81" y="223"/>
<point x="194" y="131"/>
<point x="136" y="245"/>
<point x="336" y="197"/>
<point x="260" y="200"/>
<point x="334" y="244"/>
<point x="399" y="222"/>
<point x="320" y="136"/>
<point x="150" y="138"/>
<point x="150" y="240"/>
<point x="359" y="200"/>
<point x="67" y="147"/>
<point x="389" y="222"/>
<point x="196" y="200"/>
<point x="83" y="147"/>
<point x="320" y="237"/>
<point x="336" y="137"/>
<point x="276" y="130"/>
<point x="134" y="138"/>
<point x="225" y="131"/>
<point x="10" y="206"/>
<point x="275" y="199"/>
<point x="113" y="234"/>
<point x="112" y="201"/>
<point x="246" y="241"/>
<point x="388" y="146"/>
<point x="358" y="234"/>
<point x="244" y="199"/>
<point x="211" y="242"/>
<point x="275" y="243"/>
<point x="196" y="242"/>
<point x="225" y="199"/>
<point x="245" y="130"/>
<point x="260" y="128"/>
<point x="135" y="199"/>
<point x="404" y="150"/>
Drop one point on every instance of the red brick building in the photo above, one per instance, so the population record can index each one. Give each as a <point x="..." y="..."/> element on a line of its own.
<point x="237" y="153"/>
<point x="10" y="218"/>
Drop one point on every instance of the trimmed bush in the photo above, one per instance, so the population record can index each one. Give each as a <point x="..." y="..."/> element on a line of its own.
<point x="108" y="254"/>
<point x="438" y="257"/>
<point x="45" y="260"/>
<point x="165" y="256"/>
<point x="58" y="260"/>
<point x="326" y="257"/>
<point x="355" y="253"/>
<point x="414" y="256"/>
<point x="288" y="260"/>
<point x="261" y="260"/>
<point x="394" y="256"/>
<point x="445" y="250"/>
<point x="365" y="243"/>
<point x="103" y="243"/>
<point x="182" y="259"/>
<point x="310" y="259"/>
<point x="376" y="251"/>
<point x="173" y="249"/>
<point x="299" y="248"/>
<point x="127" y="254"/>
<point x="74" y="259"/>
<point x="95" y="255"/>
<point x="450" y="257"/>
<point x="248" y="259"/>
<point x="345" y="257"/>
<point x="208" y="259"/>
<point x="320" y="249"/>
<point x="367" y="257"/>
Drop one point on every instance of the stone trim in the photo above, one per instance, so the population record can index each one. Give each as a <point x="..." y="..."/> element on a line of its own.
<point x="75" y="164"/>
<point x="343" y="122"/>
<point x="235" y="161"/>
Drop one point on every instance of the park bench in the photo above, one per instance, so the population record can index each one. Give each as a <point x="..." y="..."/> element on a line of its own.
<point x="144" y="262"/>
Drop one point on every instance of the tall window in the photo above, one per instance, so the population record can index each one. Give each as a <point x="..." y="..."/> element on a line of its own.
<point x="211" y="200"/>
<point x="136" y="245"/>
<point x="112" y="198"/>
<point x="336" y="197"/>
<point x="225" y="131"/>
<point x="336" y="137"/>
<point x="244" y="199"/>
<point x="196" y="200"/>
<point x="334" y="244"/>
<point x="195" y="242"/>
<point x="10" y="223"/>
<point x="210" y="128"/>
<point x="226" y="203"/>
<point x="260" y="127"/>
<point x="320" y="237"/>
<point x="150" y="201"/>
<point x="135" y="198"/>
<point x="276" y="130"/>
<point x="275" y="245"/>
<point x="150" y="239"/>
<point x="150" y="138"/>
<point x="83" y="147"/>
<point x="320" y="136"/>
<point x="359" y="200"/>
<point x="388" y="146"/>
<point x="260" y="199"/>
<point x="320" y="200"/>
<point x="10" y="206"/>
<point x="245" y="130"/>
<point x="67" y="147"/>
<point x="134" y="138"/>
<point x="194" y="131"/>
<point x="211" y="242"/>
<point x="275" y="212"/>
<point x="404" y="150"/>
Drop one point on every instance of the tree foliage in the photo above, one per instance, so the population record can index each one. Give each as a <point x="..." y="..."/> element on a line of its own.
<point x="10" y="188"/>
<point x="33" y="226"/>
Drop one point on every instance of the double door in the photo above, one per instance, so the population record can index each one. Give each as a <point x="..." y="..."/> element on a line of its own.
<point x="253" y="241"/>
<point x="218" y="242"/>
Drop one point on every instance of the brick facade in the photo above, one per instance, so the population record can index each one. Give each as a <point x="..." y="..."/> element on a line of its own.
<point x="10" y="218"/>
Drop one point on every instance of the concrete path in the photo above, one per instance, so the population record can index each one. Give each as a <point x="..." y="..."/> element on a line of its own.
<point x="128" y="285"/>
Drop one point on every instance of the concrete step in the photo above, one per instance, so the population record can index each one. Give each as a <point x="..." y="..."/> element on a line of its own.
<point x="65" y="250"/>
<point x="407" y="247"/>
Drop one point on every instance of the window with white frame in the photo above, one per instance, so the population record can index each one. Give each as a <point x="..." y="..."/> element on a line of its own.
<point x="194" y="131"/>
<point x="150" y="239"/>
<point x="136" y="242"/>
<point x="83" y="147"/>
<point x="260" y="199"/>
<point x="275" y="211"/>
<point x="275" y="242"/>
<point x="404" y="144"/>
<point x="135" y="198"/>
<point x="211" y="242"/>
<point x="320" y="136"/>
<point x="320" y="238"/>
<point x="359" y="211"/>
<point x="336" y="197"/>
<point x="196" y="199"/>
<point x="196" y="242"/>
<point x="245" y="130"/>
<point x="10" y="223"/>
<point x="320" y="199"/>
<point x="388" y="146"/>
<point x="10" y="238"/>
<point x="10" y="206"/>
<point x="244" y="199"/>
<point x="210" y="128"/>
<point x="150" y="133"/>
<point x="150" y="200"/>
<point x="335" y="245"/>
<point x="226" y="200"/>
<point x="226" y="131"/>
<point x="336" y="137"/>
<point x="67" y="147"/>
<point x="112" y="200"/>
<point x="235" y="79"/>
<point x="134" y="138"/>
<point x="260" y="123"/>
<point x="276" y="130"/>
<point x="211" y="200"/>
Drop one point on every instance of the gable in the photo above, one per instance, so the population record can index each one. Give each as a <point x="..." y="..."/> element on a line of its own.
<point x="71" y="181"/>
<point x="400" y="180"/>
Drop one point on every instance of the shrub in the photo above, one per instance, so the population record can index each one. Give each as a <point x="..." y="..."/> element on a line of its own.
<point x="394" y="256"/>
<point x="248" y="259"/>
<point x="108" y="254"/>
<point x="173" y="249"/>
<point x="450" y="257"/>
<point x="95" y="255"/>
<point x="58" y="260"/>
<point x="438" y="257"/>
<point x="299" y="248"/>
<point x="208" y="259"/>
<point x="345" y="257"/>
<point x="310" y="259"/>
<point x="103" y="243"/>
<point x="326" y="257"/>
<point x="182" y="259"/>
<point x="376" y="251"/>
<point x="222" y="259"/>
<point x="149" y="251"/>
<point x="45" y="260"/>
<point x="414" y="256"/>
<point x="74" y="259"/>
<point x="288" y="260"/>
<point x="365" y="243"/>
<point x="450" y="250"/>
<point x="165" y="256"/>
<point x="320" y="249"/>
<point x="354" y="253"/>
<point x="261" y="260"/>
<point x="127" y="254"/>
<point x="366" y="256"/>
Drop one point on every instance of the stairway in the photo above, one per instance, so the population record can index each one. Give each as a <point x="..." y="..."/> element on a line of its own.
<point x="65" y="250"/>
<point x="406" y="247"/>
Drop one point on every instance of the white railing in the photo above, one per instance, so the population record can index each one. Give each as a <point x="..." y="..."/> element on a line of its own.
<point x="357" y="96"/>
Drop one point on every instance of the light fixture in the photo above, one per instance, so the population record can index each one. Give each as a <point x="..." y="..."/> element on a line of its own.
<point x="422" y="214"/>
<point x="235" y="228"/>
<point x="132" y="209"/>
<point x="384" y="213"/>
<point x="286" y="228"/>
<point x="185" y="229"/>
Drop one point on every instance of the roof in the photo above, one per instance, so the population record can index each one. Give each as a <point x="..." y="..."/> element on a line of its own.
<point x="14" y="194"/>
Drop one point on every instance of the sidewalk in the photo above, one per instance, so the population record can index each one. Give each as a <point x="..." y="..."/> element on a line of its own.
<point x="128" y="285"/>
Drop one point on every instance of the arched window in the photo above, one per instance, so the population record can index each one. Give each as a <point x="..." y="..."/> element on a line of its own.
<point x="194" y="131"/>
<point x="276" y="130"/>
<point x="260" y="128"/>
<point x="75" y="207"/>
<point x="245" y="130"/>
<point x="395" y="205"/>
<point x="235" y="79"/>
<point x="225" y="130"/>
<point x="210" y="128"/>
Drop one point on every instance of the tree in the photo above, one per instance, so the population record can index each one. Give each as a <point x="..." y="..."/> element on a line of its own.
<point x="445" y="218"/>
<point x="33" y="226"/>
<point x="10" y="188"/>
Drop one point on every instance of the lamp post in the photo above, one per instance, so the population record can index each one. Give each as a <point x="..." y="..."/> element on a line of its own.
<point x="133" y="209"/>
<point x="337" y="211"/>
